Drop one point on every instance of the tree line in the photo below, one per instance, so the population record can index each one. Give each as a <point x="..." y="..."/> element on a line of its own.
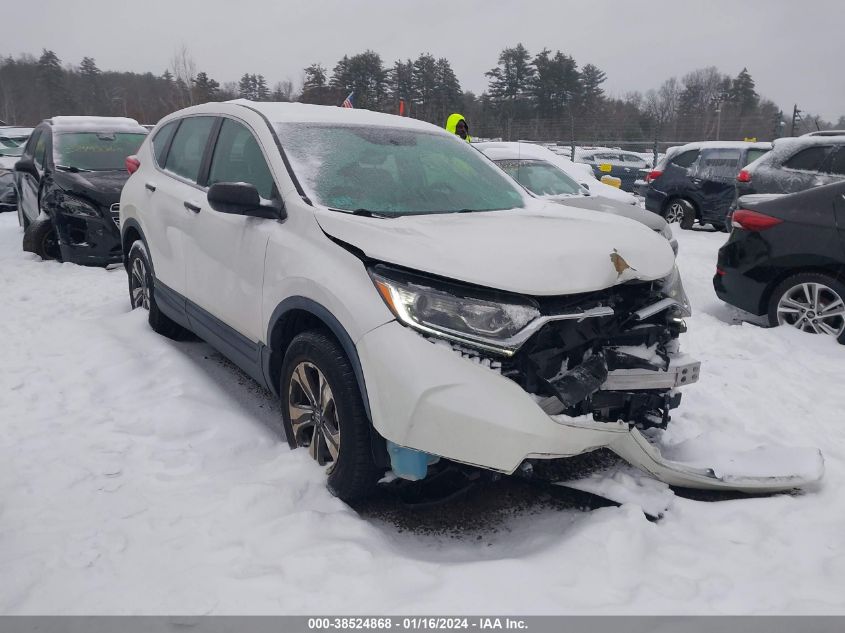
<point x="546" y="96"/>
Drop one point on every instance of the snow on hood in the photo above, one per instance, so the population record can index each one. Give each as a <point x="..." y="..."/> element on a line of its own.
<point x="546" y="249"/>
<point x="608" y="205"/>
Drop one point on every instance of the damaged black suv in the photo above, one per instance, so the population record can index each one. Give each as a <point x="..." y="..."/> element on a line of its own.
<point x="68" y="184"/>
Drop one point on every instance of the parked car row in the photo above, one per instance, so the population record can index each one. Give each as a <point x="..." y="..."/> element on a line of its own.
<point x="627" y="166"/>
<point x="704" y="182"/>
<point x="697" y="181"/>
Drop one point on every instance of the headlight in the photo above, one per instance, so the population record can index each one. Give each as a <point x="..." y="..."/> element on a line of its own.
<point x="448" y="312"/>
<point x="76" y="206"/>
<point x="672" y="287"/>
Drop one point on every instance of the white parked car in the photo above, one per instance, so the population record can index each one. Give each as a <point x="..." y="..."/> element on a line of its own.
<point x="580" y="172"/>
<point x="409" y="303"/>
<point x="545" y="180"/>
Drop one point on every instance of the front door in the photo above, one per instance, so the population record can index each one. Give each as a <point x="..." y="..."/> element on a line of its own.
<point x="29" y="185"/>
<point x="225" y="252"/>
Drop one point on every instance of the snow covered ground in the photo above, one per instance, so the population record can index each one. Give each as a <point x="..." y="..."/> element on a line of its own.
<point x="139" y="475"/>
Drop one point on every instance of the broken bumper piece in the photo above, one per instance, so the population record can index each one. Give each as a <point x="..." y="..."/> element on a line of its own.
<point x="445" y="406"/>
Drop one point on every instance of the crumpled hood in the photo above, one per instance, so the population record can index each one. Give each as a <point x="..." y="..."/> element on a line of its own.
<point x="103" y="187"/>
<point x="608" y="205"/>
<point x="545" y="249"/>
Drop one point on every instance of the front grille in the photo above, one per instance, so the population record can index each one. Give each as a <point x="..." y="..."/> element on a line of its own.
<point x="115" y="214"/>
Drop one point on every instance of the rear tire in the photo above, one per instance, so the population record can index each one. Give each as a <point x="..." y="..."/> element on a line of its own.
<point x="681" y="211"/>
<point x="810" y="302"/>
<point x="322" y="411"/>
<point x="41" y="238"/>
<point x="142" y="293"/>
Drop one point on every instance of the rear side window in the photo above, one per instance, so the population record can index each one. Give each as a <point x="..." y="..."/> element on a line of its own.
<point x="238" y="158"/>
<point x="719" y="164"/>
<point x="809" y="159"/>
<point x="837" y="163"/>
<point x="188" y="146"/>
<point x="162" y="139"/>
<point x="684" y="159"/>
<point x="754" y="154"/>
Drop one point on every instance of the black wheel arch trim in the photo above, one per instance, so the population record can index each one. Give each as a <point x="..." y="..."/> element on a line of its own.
<point x="323" y="314"/>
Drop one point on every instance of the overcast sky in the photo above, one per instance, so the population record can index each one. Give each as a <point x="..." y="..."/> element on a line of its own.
<point x="794" y="50"/>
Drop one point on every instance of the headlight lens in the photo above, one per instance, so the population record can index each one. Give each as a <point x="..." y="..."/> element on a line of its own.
<point x="75" y="206"/>
<point x="673" y="288"/>
<point x="448" y="313"/>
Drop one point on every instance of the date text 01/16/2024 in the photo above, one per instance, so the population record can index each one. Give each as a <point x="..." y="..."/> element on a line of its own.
<point x="416" y="623"/>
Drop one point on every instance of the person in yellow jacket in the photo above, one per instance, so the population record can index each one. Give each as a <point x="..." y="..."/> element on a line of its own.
<point x="457" y="124"/>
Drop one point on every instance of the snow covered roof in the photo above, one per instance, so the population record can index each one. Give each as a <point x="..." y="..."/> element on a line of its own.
<point x="15" y="132"/>
<point x="720" y="145"/>
<point x="281" y="112"/>
<point x="503" y="150"/>
<point x="99" y="123"/>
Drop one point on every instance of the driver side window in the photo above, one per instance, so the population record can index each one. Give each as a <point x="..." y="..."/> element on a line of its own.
<point x="238" y="158"/>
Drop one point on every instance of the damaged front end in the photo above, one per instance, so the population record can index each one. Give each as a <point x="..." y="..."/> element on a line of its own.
<point x="603" y="366"/>
<point x="621" y="365"/>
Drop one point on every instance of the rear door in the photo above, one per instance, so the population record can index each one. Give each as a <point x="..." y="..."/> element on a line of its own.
<point x="804" y="169"/>
<point x="173" y="192"/>
<point x="714" y="179"/>
<point x="225" y="252"/>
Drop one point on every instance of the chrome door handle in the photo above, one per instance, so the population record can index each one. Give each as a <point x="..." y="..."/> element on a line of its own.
<point x="150" y="186"/>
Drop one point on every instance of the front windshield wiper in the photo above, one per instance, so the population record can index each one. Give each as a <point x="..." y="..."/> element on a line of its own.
<point x="71" y="168"/>
<point x="370" y="214"/>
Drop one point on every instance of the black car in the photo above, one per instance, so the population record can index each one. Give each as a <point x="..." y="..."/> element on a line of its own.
<point x="12" y="140"/>
<point x="795" y="164"/>
<point x="696" y="182"/>
<point x="68" y="183"/>
<point x="785" y="260"/>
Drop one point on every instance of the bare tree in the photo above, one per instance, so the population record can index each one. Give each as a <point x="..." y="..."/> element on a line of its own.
<point x="184" y="70"/>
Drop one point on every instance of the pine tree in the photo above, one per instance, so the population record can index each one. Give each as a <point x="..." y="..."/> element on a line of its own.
<point x="423" y="86"/>
<point x="447" y="91"/>
<point x="205" y="89"/>
<point x="556" y="84"/>
<point x="91" y="84"/>
<point x="510" y="85"/>
<point x="592" y="77"/>
<point x="246" y="87"/>
<point x="742" y="93"/>
<point x="51" y="79"/>
<point x="262" y="92"/>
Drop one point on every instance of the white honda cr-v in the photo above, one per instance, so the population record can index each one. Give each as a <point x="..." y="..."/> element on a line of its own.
<point x="409" y="303"/>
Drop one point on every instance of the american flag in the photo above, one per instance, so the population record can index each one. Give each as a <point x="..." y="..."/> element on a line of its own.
<point x="347" y="103"/>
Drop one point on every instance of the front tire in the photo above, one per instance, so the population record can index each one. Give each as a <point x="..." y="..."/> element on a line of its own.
<point x="142" y="295"/>
<point x="322" y="411"/>
<point x="41" y="238"/>
<point x="810" y="302"/>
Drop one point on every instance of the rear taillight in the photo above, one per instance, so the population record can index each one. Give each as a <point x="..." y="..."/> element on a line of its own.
<point x="753" y="220"/>
<point x="720" y="272"/>
<point x="654" y="174"/>
<point x="743" y="176"/>
<point x="132" y="164"/>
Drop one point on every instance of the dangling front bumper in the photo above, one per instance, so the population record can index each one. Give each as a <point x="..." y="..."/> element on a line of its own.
<point x="424" y="396"/>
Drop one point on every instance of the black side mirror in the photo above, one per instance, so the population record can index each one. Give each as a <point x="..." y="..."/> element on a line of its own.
<point x="241" y="198"/>
<point x="26" y="166"/>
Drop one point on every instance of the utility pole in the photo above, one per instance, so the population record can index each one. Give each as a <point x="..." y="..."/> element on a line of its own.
<point x="796" y="116"/>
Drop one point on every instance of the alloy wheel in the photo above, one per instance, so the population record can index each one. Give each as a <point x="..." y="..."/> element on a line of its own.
<point x="812" y="307"/>
<point x="313" y="413"/>
<point x="675" y="212"/>
<point x="139" y="287"/>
